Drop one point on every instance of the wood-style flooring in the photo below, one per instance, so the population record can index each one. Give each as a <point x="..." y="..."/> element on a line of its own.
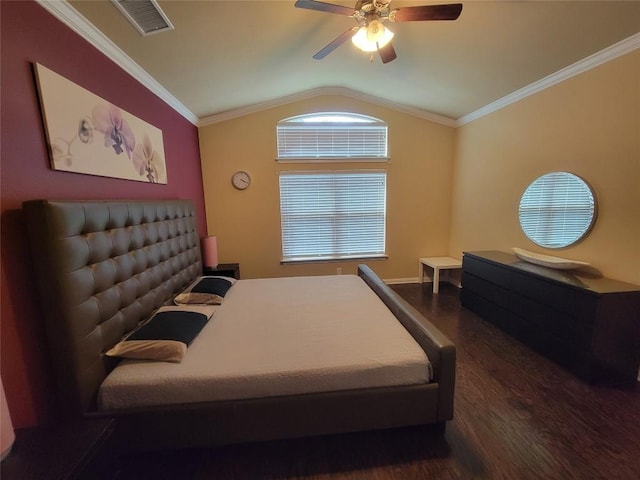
<point x="518" y="416"/>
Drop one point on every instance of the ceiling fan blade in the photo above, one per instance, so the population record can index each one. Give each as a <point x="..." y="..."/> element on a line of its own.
<point x="336" y="43"/>
<point x="427" y="12"/>
<point x="387" y="53"/>
<point x="324" y="7"/>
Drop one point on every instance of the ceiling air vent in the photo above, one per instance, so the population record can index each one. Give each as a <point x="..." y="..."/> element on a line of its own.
<point x="145" y="15"/>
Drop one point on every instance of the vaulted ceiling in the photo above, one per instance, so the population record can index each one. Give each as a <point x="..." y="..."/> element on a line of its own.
<point x="226" y="56"/>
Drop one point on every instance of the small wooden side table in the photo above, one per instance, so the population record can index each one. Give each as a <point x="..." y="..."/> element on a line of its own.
<point x="224" y="269"/>
<point x="77" y="450"/>
<point x="437" y="264"/>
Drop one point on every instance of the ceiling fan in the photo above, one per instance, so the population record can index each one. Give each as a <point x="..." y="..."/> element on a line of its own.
<point x="370" y="34"/>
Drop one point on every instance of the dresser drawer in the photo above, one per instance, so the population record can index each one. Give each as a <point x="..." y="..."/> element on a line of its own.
<point x="580" y="304"/>
<point x="483" y="288"/>
<point x="485" y="270"/>
<point x="568" y="328"/>
<point x="488" y="310"/>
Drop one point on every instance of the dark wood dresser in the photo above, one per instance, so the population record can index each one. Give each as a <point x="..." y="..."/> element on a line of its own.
<point x="588" y="324"/>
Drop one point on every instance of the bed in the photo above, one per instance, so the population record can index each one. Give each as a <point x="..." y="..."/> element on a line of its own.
<point x="276" y="358"/>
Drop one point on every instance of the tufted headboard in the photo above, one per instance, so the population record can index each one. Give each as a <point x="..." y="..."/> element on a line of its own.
<point x="102" y="267"/>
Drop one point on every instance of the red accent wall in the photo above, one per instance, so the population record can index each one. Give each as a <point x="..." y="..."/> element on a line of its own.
<point x="29" y="34"/>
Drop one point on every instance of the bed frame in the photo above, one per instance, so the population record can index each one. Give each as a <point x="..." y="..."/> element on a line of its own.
<point x="104" y="266"/>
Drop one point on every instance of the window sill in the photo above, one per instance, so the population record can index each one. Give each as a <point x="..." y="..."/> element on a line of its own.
<point x="332" y="259"/>
<point x="334" y="160"/>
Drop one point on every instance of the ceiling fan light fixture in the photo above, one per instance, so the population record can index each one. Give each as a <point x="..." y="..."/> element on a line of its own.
<point x="370" y="33"/>
<point x="375" y="31"/>
<point x="370" y="38"/>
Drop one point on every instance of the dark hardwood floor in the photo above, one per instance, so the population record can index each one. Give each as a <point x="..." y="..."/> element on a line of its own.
<point x="517" y="416"/>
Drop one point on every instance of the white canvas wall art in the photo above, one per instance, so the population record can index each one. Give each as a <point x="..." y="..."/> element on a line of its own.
<point x="87" y="134"/>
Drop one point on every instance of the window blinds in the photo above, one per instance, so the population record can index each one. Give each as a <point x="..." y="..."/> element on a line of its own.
<point x="331" y="215"/>
<point x="556" y="209"/>
<point x="331" y="136"/>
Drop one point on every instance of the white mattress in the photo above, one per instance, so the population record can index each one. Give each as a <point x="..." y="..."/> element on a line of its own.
<point x="281" y="336"/>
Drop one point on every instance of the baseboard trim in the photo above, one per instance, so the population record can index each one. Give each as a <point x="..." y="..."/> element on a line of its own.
<point x="398" y="281"/>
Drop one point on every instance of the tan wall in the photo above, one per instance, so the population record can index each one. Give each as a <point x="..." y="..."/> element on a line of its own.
<point x="588" y="125"/>
<point x="247" y="223"/>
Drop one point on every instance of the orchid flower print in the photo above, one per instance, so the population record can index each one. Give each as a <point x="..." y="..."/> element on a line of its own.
<point x="108" y="119"/>
<point x="61" y="148"/>
<point x="118" y="135"/>
<point x="88" y="134"/>
<point x="147" y="161"/>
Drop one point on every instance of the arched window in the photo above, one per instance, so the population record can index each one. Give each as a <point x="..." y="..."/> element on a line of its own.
<point x="332" y="214"/>
<point x="332" y="136"/>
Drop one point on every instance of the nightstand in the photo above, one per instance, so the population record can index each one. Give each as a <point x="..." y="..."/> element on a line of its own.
<point x="224" y="269"/>
<point x="437" y="264"/>
<point x="76" y="450"/>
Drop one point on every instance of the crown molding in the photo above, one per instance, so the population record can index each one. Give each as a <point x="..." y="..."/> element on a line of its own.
<point x="68" y="15"/>
<point x="614" y="51"/>
<point x="324" y="91"/>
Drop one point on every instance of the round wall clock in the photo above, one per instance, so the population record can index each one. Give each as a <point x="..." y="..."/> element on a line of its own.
<point x="241" y="180"/>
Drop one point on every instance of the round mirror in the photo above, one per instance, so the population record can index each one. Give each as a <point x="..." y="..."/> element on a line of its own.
<point x="557" y="210"/>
